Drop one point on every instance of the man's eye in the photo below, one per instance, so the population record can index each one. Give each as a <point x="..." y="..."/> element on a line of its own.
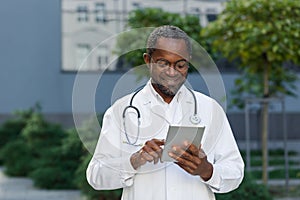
<point x="163" y="64"/>
<point x="181" y="65"/>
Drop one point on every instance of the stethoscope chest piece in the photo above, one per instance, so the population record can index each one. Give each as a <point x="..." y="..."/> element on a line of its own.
<point x="195" y="119"/>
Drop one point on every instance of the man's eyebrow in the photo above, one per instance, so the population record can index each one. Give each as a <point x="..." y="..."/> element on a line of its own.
<point x="174" y="62"/>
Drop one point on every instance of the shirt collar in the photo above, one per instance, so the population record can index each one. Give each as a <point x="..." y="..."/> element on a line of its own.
<point x="178" y="96"/>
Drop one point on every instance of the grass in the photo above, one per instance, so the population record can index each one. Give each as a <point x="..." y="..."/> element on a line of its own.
<point x="280" y="191"/>
<point x="277" y="174"/>
<point x="273" y="152"/>
<point x="273" y="161"/>
<point x="276" y="160"/>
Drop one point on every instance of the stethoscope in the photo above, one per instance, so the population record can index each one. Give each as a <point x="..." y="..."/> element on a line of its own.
<point x="194" y="119"/>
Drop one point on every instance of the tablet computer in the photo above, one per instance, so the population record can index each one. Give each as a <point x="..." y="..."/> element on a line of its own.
<point x="178" y="134"/>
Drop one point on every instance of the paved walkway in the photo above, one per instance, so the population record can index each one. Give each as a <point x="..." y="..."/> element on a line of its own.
<point x="23" y="189"/>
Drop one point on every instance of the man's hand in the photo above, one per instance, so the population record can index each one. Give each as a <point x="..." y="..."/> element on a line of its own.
<point x="192" y="160"/>
<point x="151" y="151"/>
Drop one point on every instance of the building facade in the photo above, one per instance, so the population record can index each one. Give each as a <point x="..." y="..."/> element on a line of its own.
<point x="87" y="23"/>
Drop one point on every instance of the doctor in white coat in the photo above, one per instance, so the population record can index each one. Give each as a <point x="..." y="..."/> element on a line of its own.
<point x="130" y="145"/>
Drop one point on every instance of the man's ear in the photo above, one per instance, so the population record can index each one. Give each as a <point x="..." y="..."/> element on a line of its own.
<point x="146" y="58"/>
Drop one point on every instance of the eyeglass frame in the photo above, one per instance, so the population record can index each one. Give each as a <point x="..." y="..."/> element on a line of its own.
<point x="169" y="64"/>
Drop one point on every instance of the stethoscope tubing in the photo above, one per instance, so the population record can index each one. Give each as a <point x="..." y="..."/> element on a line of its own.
<point x="194" y="118"/>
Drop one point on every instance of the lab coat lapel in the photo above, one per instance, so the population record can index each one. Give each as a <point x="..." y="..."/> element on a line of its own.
<point x="159" y="111"/>
<point x="151" y="103"/>
<point x="186" y="110"/>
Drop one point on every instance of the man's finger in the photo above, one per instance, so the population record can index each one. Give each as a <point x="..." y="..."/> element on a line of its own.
<point x="191" y="148"/>
<point x="159" y="142"/>
<point x="183" y="161"/>
<point x="182" y="153"/>
<point x="154" y="144"/>
<point x="186" y="168"/>
<point x="153" y="149"/>
<point x="202" y="154"/>
<point x="147" y="156"/>
<point x="150" y="151"/>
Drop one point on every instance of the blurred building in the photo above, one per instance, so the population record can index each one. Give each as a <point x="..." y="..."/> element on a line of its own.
<point x="86" y="23"/>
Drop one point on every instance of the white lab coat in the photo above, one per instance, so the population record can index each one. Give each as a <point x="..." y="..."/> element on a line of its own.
<point x="110" y="166"/>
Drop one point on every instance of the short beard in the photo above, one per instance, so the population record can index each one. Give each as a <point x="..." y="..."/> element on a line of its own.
<point x="166" y="91"/>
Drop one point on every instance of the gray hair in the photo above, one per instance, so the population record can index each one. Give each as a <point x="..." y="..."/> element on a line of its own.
<point x="167" y="31"/>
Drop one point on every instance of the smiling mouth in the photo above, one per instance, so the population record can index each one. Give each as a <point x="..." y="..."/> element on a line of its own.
<point x="173" y="81"/>
<point x="171" y="86"/>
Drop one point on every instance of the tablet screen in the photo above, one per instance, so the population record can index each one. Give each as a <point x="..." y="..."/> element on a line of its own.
<point x="178" y="134"/>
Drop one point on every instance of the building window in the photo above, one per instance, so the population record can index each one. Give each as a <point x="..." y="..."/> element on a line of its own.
<point x="82" y="52"/>
<point x="196" y="12"/>
<point x="136" y="5"/>
<point x="82" y="11"/>
<point x="102" y="57"/>
<point x="211" y="17"/>
<point x="211" y="14"/>
<point x="100" y="10"/>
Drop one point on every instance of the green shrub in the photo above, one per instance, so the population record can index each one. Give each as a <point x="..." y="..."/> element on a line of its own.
<point x="10" y="130"/>
<point x="61" y="164"/>
<point x="248" y="190"/>
<point x="52" y="177"/>
<point x="41" y="135"/>
<point x="17" y="158"/>
<point x="35" y="147"/>
<point x="57" y="169"/>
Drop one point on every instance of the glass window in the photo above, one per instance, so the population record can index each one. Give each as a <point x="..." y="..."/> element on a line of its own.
<point x="82" y="11"/>
<point x="102" y="57"/>
<point x="82" y="51"/>
<point x="211" y="14"/>
<point x="100" y="10"/>
<point x="136" y="5"/>
<point x="211" y="17"/>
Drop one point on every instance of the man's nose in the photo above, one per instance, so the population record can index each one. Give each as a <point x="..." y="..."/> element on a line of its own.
<point x="171" y="71"/>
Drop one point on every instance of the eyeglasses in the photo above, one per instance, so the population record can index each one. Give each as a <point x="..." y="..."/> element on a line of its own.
<point x="180" y="65"/>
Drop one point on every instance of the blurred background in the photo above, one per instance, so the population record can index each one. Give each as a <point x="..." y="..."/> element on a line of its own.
<point x="46" y="44"/>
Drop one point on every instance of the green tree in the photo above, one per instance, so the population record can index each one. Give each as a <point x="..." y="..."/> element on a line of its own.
<point x="151" y="17"/>
<point x="263" y="36"/>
